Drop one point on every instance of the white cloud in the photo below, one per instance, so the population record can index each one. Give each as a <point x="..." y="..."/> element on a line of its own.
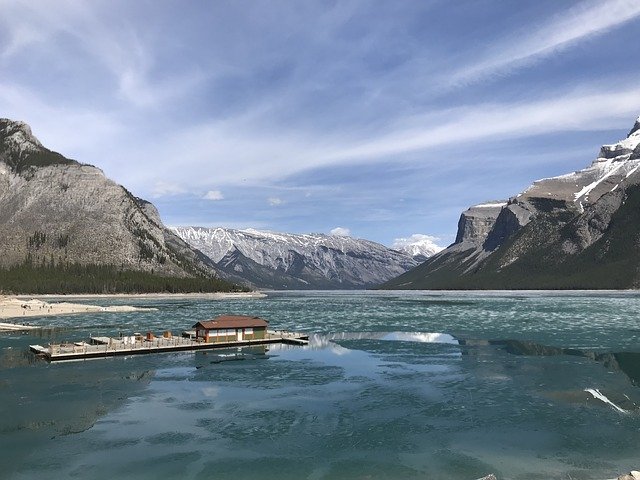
<point x="275" y="201"/>
<point x="340" y="232"/>
<point x="213" y="195"/>
<point x="418" y="244"/>
<point x="564" y="30"/>
<point x="166" y="189"/>
<point x="415" y="238"/>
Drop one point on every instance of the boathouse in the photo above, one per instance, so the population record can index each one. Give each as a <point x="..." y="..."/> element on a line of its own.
<point x="231" y="328"/>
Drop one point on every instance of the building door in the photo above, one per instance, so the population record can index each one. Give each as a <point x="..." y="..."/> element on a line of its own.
<point x="239" y="334"/>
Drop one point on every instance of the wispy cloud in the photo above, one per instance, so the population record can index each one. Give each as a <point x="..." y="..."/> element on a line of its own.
<point x="75" y="131"/>
<point x="167" y="189"/>
<point x="290" y="98"/>
<point x="580" y="111"/>
<point x="293" y="152"/>
<point x="99" y="38"/>
<point x="565" y="29"/>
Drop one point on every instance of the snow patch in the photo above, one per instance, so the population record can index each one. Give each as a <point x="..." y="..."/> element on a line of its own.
<point x="607" y="170"/>
<point x="491" y="205"/>
<point x="600" y="396"/>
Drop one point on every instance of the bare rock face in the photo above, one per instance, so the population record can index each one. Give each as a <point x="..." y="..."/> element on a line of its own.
<point x="476" y="223"/>
<point x="54" y="210"/>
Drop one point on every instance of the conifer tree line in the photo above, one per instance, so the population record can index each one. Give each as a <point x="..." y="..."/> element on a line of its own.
<point x="47" y="278"/>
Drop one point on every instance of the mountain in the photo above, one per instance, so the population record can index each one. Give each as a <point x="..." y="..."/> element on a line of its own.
<point x="287" y="261"/>
<point x="57" y="212"/>
<point x="580" y="230"/>
<point x="418" y="246"/>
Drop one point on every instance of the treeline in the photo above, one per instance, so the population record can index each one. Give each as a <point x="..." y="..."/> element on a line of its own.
<point x="74" y="278"/>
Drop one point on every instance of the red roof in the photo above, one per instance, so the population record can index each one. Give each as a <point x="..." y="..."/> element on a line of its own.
<point x="232" y="321"/>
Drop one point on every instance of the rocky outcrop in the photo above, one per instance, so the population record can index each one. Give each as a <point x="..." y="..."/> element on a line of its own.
<point x="577" y="230"/>
<point x="56" y="211"/>
<point x="477" y="222"/>
<point x="288" y="261"/>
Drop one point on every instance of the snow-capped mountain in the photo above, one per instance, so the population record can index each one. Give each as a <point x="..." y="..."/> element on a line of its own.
<point x="578" y="230"/>
<point x="289" y="261"/>
<point x="418" y="246"/>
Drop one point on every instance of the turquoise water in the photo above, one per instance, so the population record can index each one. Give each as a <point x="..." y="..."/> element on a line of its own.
<point x="400" y="385"/>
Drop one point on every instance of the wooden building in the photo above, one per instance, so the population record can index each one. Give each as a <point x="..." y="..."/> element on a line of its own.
<point x="231" y="328"/>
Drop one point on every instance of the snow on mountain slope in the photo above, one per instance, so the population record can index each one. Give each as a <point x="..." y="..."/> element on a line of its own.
<point x="614" y="163"/>
<point x="316" y="260"/>
<point x="578" y="230"/>
<point x="487" y="225"/>
<point x="418" y="246"/>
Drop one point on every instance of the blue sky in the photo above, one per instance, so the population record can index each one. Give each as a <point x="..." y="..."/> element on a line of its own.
<point x="383" y="118"/>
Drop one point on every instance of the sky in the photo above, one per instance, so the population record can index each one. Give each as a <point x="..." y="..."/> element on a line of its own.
<point x="380" y="120"/>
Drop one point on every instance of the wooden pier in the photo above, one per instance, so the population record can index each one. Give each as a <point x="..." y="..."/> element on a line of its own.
<point x="103" y="347"/>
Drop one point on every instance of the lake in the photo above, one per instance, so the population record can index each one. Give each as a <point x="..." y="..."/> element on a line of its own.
<point x="394" y="385"/>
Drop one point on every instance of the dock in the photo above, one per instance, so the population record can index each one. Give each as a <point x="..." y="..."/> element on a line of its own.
<point x="104" y="347"/>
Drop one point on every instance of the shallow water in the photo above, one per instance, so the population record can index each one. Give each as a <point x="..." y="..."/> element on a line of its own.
<point x="396" y="385"/>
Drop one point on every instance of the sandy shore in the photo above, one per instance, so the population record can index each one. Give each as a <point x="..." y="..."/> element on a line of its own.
<point x="22" y="306"/>
<point x="19" y="308"/>
<point x="158" y="296"/>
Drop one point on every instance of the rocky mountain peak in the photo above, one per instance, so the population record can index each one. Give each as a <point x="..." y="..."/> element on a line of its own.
<point x="55" y="211"/>
<point x="636" y="128"/>
<point x="22" y="151"/>
<point x="17" y="137"/>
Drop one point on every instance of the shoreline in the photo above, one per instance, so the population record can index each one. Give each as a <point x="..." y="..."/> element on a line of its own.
<point x="204" y="296"/>
<point x="17" y="307"/>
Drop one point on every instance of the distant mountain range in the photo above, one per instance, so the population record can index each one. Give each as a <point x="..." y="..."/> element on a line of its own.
<point x="418" y="246"/>
<point x="580" y="230"/>
<point x="56" y="212"/>
<point x="287" y="261"/>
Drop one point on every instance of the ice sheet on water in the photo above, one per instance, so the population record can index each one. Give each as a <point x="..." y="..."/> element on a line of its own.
<point x="421" y="337"/>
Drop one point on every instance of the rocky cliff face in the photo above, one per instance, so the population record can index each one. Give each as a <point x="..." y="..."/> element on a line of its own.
<point x="54" y="210"/>
<point x="570" y="231"/>
<point x="287" y="261"/>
